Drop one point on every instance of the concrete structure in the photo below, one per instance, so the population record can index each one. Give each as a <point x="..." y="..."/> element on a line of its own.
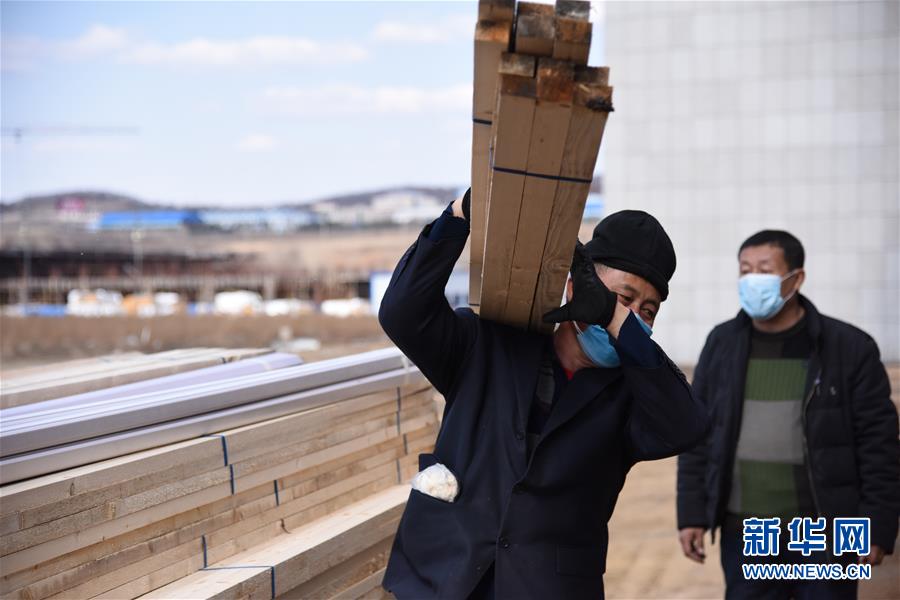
<point x="733" y="117"/>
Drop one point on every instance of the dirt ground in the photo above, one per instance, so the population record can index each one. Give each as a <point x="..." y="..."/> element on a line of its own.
<point x="645" y="560"/>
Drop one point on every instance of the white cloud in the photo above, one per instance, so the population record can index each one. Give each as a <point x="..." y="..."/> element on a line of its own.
<point x="261" y="50"/>
<point x="354" y="100"/>
<point x="98" y="39"/>
<point x="21" y="53"/>
<point x="24" y="52"/>
<point x="448" y="29"/>
<point x="63" y="145"/>
<point x="256" y="142"/>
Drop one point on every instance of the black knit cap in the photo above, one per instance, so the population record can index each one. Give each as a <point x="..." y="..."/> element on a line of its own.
<point x="634" y="241"/>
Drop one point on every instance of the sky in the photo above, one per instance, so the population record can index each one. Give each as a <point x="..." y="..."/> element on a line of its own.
<point x="235" y="103"/>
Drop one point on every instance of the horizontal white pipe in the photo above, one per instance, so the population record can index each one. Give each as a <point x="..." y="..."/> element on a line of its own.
<point x="50" y="460"/>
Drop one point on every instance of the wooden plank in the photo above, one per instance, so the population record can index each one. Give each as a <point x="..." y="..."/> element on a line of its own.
<point x="154" y="580"/>
<point x="349" y="579"/>
<point x="326" y="435"/>
<point x="414" y="388"/>
<point x="293" y="506"/>
<point x="42" y="499"/>
<point x="139" y="536"/>
<point x="263" y="468"/>
<point x="39" y="372"/>
<point x="226" y="536"/>
<point x="79" y="384"/>
<point x="301" y="519"/>
<point x="573" y="9"/>
<point x="409" y="466"/>
<point x="326" y="488"/>
<point x="120" y="550"/>
<point x="299" y="556"/>
<point x="421" y="440"/>
<point x="511" y="134"/>
<point x="219" y="583"/>
<point x="331" y="540"/>
<point x="535" y="29"/>
<point x="73" y="541"/>
<point x="110" y="511"/>
<point x="103" y="478"/>
<point x="496" y="10"/>
<point x="572" y="40"/>
<point x="257" y="438"/>
<point x="54" y="372"/>
<point x="370" y="587"/>
<point x="114" y="579"/>
<point x="555" y="89"/>
<point x="593" y="102"/>
<point x="492" y="39"/>
<point x="296" y="458"/>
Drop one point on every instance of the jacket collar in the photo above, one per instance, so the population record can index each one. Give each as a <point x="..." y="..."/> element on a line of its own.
<point x="584" y="387"/>
<point x="813" y="321"/>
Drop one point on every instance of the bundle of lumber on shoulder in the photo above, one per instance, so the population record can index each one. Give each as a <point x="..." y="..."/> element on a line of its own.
<point x="538" y="118"/>
<point x="304" y="504"/>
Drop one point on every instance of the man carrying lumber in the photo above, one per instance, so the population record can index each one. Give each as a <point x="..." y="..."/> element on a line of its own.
<point x="539" y="431"/>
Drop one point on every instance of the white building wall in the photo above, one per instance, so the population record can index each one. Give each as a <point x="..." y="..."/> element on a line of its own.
<point x="731" y="117"/>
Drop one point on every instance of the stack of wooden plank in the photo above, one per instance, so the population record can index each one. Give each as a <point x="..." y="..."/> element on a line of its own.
<point x="222" y="372"/>
<point x="539" y="116"/>
<point x="53" y="435"/>
<point x="34" y="384"/>
<point x="302" y="505"/>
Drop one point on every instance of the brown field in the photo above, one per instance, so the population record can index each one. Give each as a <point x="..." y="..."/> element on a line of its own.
<point x="367" y="249"/>
<point x="36" y="340"/>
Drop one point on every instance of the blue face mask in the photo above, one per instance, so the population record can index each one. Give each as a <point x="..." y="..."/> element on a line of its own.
<point x="595" y="343"/>
<point x="760" y="294"/>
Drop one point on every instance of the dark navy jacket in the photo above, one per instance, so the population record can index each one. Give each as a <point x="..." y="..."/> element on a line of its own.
<point x="849" y="423"/>
<point x="542" y="523"/>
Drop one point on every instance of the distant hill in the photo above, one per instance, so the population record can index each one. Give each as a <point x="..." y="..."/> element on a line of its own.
<point x="445" y="194"/>
<point x="89" y="201"/>
<point x="93" y="201"/>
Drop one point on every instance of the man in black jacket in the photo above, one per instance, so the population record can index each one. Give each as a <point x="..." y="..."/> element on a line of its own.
<point x="537" y="434"/>
<point x="803" y="426"/>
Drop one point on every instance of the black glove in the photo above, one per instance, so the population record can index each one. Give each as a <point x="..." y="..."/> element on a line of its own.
<point x="466" y="205"/>
<point x="592" y="302"/>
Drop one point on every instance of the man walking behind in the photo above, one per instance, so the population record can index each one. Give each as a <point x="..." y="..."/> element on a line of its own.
<point x="803" y="426"/>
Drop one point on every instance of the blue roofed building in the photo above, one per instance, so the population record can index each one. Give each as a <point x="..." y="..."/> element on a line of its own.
<point x="147" y="219"/>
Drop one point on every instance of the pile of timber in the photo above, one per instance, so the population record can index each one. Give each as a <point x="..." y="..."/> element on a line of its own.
<point x="538" y="118"/>
<point x="49" y="436"/>
<point x="34" y="384"/>
<point x="303" y="504"/>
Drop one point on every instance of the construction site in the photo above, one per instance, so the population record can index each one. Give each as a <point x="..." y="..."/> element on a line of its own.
<point x="194" y="412"/>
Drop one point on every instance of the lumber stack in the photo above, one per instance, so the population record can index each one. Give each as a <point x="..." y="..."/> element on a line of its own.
<point x="300" y="505"/>
<point x="34" y="384"/>
<point x="533" y="154"/>
<point x="58" y="434"/>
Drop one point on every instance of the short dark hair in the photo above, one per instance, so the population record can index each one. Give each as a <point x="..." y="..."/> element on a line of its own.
<point x="790" y="245"/>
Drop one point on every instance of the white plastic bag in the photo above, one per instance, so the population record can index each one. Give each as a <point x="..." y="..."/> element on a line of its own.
<point x="438" y="482"/>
